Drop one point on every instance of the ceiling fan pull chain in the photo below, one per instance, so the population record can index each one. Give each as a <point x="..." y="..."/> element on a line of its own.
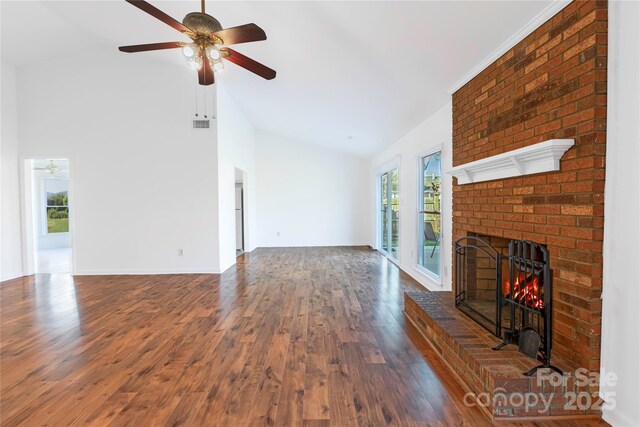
<point x="205" y="102"/>
<point x="196" y="98"/>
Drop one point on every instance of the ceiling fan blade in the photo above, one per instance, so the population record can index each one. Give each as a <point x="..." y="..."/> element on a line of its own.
<point x="150" y="46"/>
<point x="205" y="74"/>
<point x="241" y="34"/>
<point x="248" y="63"/>
<point x="158" y="14"/>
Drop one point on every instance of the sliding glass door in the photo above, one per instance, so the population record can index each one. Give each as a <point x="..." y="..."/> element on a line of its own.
<point x="389" y="232"/>
<point x="429" y="230"/>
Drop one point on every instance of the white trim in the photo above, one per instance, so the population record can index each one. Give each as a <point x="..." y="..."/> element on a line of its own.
<point x="553" y="8"/>
<point x="307" y="245"/>
<point x="542" y="157"/>
<point x="29" y="235"/>
<point x="416" y="274"/>
<point x="436" y="148"/>
<point x="422" y="279"/>
<point x="378" y="208"/>
<point x="11" y="276"/>
<point x="619" y="248"/>
<point x="143" y="272"/>
<point x="388" y="165"/>
<point x="386" y="168"/>
<point x="615" y="417"/>
<point x="392" y="260"/>
<point x="26" y="216"/>
<point x="432" y="150"/>
<point x="432" y="277"/>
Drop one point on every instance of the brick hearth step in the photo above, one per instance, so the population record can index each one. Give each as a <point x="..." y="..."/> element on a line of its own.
<point x="496" y="377"/>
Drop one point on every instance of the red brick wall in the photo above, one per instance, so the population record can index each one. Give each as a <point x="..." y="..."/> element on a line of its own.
<point x="550" y="85"/>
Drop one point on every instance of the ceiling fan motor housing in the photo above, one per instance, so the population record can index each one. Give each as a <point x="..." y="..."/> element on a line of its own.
<point x="201" y="23"/>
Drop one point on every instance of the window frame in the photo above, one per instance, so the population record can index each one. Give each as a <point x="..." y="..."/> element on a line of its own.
<point x="46" y="207"/>
<point x="433" y="277"/>
<point x="387" y="168"/>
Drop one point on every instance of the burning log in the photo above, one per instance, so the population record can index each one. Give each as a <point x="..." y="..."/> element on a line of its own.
<point x="526" y="290"/>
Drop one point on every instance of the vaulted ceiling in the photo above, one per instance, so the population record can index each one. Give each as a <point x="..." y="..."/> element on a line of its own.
<point x="353" y="76"/>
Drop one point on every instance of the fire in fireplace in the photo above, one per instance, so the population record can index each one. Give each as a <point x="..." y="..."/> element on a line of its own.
<point x="519" y="310"/>
<point x="526" y="290"/>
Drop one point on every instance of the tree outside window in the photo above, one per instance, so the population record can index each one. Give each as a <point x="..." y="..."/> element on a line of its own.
<point x="57" y="205"/>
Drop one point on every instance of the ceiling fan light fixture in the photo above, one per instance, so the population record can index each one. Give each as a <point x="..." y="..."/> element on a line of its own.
<point x="218" y="66"/>
<point x="189" y="50"/>
<point x="213" y="52"/>
<point x="196" y="62"/>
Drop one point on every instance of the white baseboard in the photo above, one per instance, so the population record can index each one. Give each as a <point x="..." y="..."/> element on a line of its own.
<point x="422" y="278"/>
<point x="10" y="276"/>
<point x="340" y="245"/>
<point x="617" y="418"/>
<point x="142" y="272"/>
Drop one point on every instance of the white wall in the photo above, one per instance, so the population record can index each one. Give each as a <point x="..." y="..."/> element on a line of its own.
<point x="143" y="182"/>
<point x="236" y="149"/>
<point x="434" y="132"/>
<point x="10" y="228"/>
<point x="620" y="352"/>
<point x="310" y="195"/>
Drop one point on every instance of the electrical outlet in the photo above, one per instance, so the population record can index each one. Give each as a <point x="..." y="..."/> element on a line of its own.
<point x="180" y="252"/>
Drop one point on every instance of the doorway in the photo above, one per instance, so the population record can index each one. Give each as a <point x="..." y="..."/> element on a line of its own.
<point x="49" y="196"/>
<point x="389" y="217"/>
<point x="240" y="208"/>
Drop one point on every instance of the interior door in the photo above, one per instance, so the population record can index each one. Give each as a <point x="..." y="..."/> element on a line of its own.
<point x="239" y="220"/>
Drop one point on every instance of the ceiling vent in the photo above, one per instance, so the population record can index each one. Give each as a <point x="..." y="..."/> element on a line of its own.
<point x="201" y="123"/>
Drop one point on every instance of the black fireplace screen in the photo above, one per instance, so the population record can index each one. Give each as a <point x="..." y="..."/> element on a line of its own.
<point x="478" y="272"/>
<point x="510" y="296"/>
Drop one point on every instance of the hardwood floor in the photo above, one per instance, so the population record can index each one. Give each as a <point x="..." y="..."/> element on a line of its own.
<point x="288" y="337"/>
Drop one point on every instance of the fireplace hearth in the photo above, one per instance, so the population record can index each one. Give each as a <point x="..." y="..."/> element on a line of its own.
<point x="510" y="295"/>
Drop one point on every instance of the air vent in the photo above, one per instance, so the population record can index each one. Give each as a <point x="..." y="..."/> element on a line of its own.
<point x="201" y="124"/>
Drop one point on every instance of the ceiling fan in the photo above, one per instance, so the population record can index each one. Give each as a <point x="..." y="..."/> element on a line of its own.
<point x="209" y="42"/>
<point x="52" y="168"/>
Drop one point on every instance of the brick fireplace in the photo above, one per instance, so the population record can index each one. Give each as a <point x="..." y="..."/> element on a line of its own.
<point x="550" y="88"/>
<point x="550" y="85"/>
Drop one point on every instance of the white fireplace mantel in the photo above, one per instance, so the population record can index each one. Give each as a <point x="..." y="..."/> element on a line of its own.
<point x="542" y="157"/>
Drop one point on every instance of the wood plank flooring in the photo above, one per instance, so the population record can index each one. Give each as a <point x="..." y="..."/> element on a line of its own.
<point x="288" y="337"/>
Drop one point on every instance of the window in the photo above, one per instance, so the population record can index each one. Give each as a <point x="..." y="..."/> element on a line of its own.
<point x="57" y="205"/>
<point x="389" y="213"/>
<point x="384" y="211"/>
<point x="429" y="214"/>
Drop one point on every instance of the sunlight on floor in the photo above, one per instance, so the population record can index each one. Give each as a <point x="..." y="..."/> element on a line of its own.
<point x="53" y="261"/>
